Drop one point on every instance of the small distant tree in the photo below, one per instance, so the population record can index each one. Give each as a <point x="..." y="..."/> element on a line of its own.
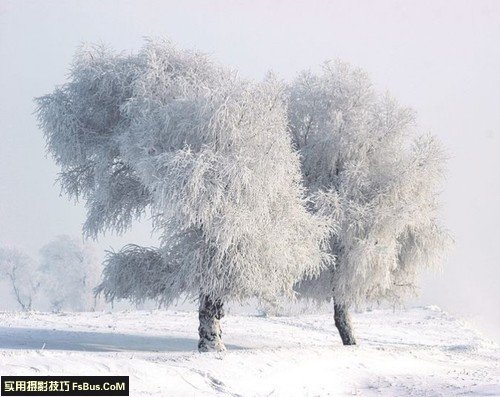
<point x="208" y="154"/>
<point x="20" y="271"/>
<point x="69" y="273"/>
<point x="375" y="179"/>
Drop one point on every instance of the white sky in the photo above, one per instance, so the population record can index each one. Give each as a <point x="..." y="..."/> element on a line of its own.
<point x="440" y="57"/>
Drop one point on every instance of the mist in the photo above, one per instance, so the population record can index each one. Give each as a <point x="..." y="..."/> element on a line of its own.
<point x="438" y="57"/>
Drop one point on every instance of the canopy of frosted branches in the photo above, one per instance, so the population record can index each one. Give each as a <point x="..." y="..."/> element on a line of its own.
<point x="207" y="152"/>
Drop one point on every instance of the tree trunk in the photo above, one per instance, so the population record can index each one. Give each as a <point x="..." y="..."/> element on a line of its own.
<point x="210" y="313"/>
<point x="343" y="324"/>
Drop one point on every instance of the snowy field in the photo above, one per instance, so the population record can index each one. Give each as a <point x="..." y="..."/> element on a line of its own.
<point x="418" y="352"/>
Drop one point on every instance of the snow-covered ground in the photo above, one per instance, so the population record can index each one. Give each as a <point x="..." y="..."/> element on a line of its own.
<point x="417" y="352"/>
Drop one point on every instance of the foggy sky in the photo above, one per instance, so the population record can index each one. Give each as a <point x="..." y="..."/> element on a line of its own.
<point x="440" y="57"/>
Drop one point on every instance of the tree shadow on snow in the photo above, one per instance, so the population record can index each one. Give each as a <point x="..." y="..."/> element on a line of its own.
<point x="36" y="338"/>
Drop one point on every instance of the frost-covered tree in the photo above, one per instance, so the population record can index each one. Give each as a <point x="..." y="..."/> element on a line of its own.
<point x="375" y="178"/>
<point x="69" y="272"/>
<point x="20" y="271"/>
<point x="208" y="154"/>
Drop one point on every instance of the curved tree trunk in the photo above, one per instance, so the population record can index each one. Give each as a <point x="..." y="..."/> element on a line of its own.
<point x="343" y="324"/>
<point x="210" y="313"/>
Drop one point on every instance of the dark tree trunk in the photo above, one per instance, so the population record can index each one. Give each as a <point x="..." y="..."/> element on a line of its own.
<point x="210" y="314"/>
<point x="343" y="324"/>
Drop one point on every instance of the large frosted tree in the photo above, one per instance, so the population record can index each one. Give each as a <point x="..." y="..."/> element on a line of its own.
<point x="208" y="154"/>
<point x="375" y="178"/>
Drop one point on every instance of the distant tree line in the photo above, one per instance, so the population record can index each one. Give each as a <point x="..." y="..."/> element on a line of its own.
<point x="63" y="277"/>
